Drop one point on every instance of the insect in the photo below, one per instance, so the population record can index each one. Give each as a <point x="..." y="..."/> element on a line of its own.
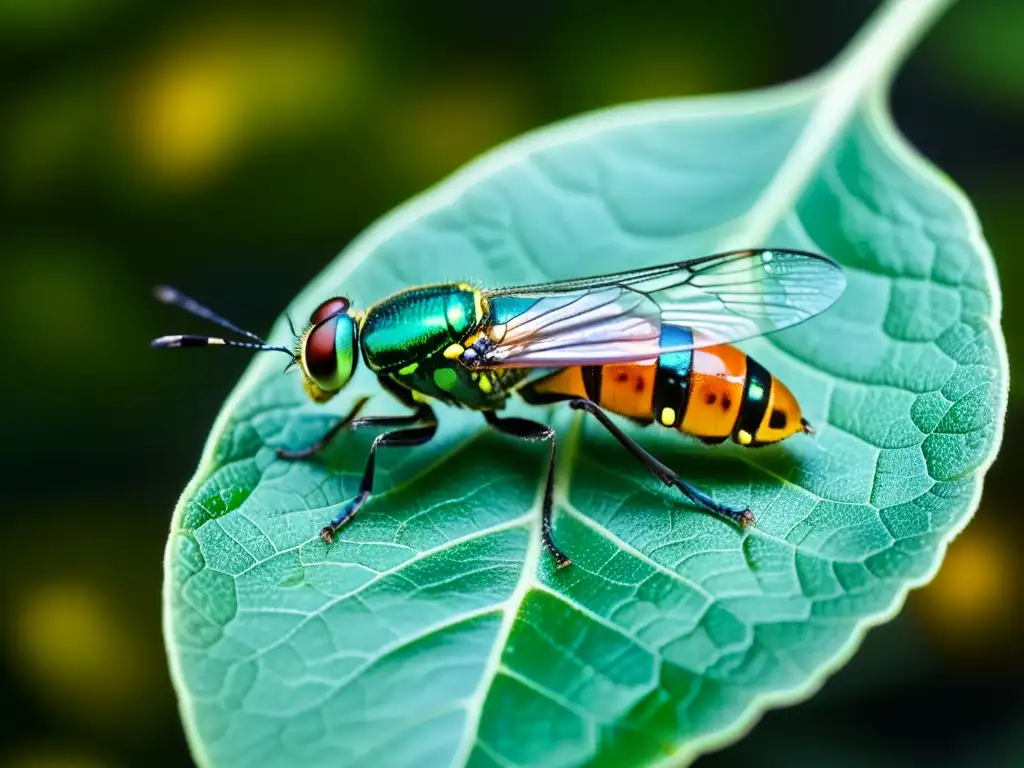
<point x="651" y="345"/>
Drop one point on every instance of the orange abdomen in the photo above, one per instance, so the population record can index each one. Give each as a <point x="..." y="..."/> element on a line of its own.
<point x="717" y="377"/>
<point x="626" y="389"/>
<point x="712" y="393"/>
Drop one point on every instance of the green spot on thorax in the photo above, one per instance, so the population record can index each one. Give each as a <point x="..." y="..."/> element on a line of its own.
<point x="446" y="379"/>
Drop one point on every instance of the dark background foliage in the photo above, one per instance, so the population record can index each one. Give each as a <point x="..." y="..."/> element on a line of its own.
<point x="234" y="152"/>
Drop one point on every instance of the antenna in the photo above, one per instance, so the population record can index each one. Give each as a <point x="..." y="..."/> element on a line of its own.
<point x="187" y="340"/>
<point x="172" y="296"/>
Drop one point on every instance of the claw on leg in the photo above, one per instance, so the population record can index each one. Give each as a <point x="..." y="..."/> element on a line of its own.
<point x="348" y="511"/>
<point x="743" y="518"/>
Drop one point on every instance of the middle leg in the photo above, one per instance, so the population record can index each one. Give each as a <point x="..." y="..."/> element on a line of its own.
<point x="398" y="438"/>
<point x="422" y="413"/>
<point x="534" y="431"/>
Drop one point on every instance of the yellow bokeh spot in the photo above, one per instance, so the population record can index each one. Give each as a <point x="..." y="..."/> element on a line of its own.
<point x="186" y="116"/>
<point x="72" y="647"/>
<point x="973" y="597"/>
<point x="45" y="757"/>
<point x="208" y="95"/>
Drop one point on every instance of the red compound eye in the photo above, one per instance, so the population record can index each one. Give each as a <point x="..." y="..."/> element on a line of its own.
<point x="330" y="308"/>
<point x="321" y="359"/>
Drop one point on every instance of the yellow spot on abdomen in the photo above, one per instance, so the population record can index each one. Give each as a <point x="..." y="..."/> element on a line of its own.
<point x="668" y="416"/>
<point x="454" y="351"/>
<point x="485" y="384"/>
<point x="743" y="437"/>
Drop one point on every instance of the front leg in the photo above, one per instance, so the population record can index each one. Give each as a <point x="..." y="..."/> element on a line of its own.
<point x="327" y="437"/>
<point x="421" y="414"/>
<point x="401" y="437"/>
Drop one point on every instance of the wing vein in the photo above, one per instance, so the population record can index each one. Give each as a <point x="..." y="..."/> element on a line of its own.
<point x="618" y="318"/>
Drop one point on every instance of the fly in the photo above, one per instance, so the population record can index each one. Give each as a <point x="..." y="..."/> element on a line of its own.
<point x="652" y="345"/>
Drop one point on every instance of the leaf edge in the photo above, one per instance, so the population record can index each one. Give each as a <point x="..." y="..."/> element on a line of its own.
<point x="876" y="103"/>
<point x="449" y="188"/>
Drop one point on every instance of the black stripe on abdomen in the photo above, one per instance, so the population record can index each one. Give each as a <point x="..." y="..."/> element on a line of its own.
<point x="592" y="375"/>
<point x="672" y="378"/>
<point x="756" y="393"/>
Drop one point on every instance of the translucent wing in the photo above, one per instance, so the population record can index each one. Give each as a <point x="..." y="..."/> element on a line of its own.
<point x="618" y="318"/>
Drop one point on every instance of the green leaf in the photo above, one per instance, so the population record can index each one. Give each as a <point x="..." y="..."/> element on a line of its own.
<point x="436" y="631"/>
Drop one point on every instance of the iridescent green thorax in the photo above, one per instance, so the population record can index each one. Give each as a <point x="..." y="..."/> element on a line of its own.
<point x="413" y="325"/>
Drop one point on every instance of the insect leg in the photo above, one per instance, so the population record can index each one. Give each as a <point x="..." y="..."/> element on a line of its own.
<point x="398" y="438"/>
<point x="422" y="413"/>
<point x="740" y="516"/>
<point x="327" y="437"/>
<point x="533" y="431"/>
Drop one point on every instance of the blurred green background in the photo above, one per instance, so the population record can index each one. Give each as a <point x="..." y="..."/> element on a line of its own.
<point x="234" y="152"/>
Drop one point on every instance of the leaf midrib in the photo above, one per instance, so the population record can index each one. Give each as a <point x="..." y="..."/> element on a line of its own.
<point x="869" y="60"/>
<point x="510" y="608"/>
<point x="885" y="41"/>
